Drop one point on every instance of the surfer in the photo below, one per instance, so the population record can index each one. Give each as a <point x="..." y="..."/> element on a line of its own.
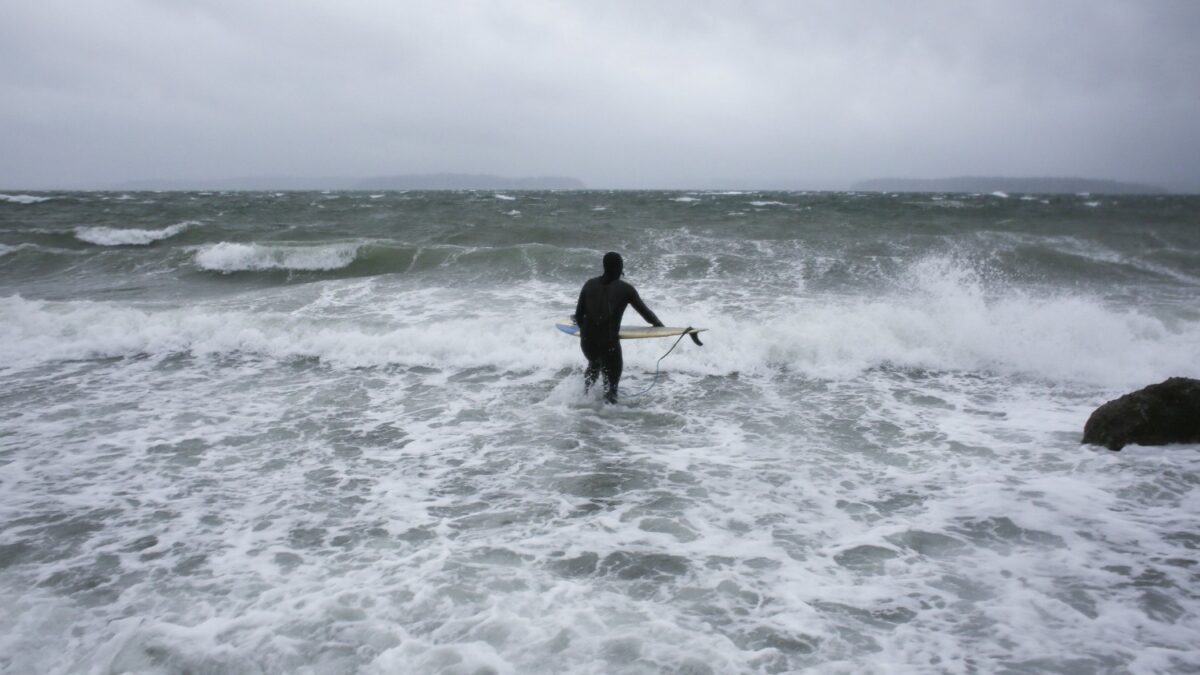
<point x="598" y="314"/>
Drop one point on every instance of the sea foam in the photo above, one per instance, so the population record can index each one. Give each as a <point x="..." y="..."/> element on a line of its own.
<point x="944" y="317"/>
<point x="873" y="464"/>
<point x="37" y="331"/>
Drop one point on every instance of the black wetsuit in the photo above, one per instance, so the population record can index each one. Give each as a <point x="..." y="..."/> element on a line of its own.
<point x="601" y="303"/>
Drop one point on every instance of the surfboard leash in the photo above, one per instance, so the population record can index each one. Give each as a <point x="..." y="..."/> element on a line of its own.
<point x="686" y="332"/>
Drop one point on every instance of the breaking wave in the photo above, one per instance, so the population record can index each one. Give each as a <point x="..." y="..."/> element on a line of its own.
<point x="227" y="257"/>
<point x="113" y="236"/>
<point x="946" y="322"/>
<point x="23" y="199"/>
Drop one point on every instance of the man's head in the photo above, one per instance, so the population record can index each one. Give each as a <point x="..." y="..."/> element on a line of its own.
<point x="614" y="266"/>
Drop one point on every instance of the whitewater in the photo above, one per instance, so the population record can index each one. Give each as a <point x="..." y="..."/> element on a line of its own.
<point x="337" y="432"/>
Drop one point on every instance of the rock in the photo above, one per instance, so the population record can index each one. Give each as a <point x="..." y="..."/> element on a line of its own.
<point x="1167" y="412"/>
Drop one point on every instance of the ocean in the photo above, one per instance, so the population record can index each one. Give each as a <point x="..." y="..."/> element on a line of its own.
<point x="337" y="432"/>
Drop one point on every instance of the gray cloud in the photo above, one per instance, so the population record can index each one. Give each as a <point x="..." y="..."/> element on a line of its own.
<point x="621" y="94"/>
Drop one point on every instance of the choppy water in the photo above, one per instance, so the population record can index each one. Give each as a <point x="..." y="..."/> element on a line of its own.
<point x="337" y="432"/>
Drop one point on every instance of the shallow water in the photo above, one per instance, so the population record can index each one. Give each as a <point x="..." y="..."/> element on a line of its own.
<point x="326" y="433"/>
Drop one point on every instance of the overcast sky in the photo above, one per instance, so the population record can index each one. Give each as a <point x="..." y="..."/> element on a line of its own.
<point x="617" y="94"/>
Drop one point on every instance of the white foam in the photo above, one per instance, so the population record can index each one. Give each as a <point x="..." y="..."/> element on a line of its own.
<point x="512" y="212"/>
<point x="859" y="473"/>
<point x="507" y="198"/>
<point x="235" y="257"/>
<point x="324" y="518"/>
<point x="767" y="203"/>
<point x="1002" y="195"/>
<point x="23" y="199"/>
<point x="112" y="236"/>
<point x="947" y="321"/>
<point x="943" y="316"/>
<point x="685" y="199"/>
<point x="1091" y="204"/>
<point x="37" y="331"/>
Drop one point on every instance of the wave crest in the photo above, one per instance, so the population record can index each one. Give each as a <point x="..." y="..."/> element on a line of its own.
<point x="24" y="199"/>
<point x="112" y="236"/>
<point x="227" y="257"/>
<point x="945" y="324"/>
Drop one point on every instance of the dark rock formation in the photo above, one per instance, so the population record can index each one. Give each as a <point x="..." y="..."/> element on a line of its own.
<point x="1167" y="412"/>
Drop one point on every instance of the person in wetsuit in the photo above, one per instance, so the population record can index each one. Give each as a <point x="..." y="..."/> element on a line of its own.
<point x="598" y="314"/>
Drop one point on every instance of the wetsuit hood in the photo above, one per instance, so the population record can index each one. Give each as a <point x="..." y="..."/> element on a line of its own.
<point x="613" y="267"/>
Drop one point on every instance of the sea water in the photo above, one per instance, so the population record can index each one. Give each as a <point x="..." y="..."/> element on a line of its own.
<point x="334" y="432"/>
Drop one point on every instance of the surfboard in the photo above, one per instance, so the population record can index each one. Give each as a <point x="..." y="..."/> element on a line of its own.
<point x="633" y="332"/>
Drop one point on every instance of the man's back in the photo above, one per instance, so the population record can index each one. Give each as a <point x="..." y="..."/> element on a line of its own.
<point x="602" y="304"/>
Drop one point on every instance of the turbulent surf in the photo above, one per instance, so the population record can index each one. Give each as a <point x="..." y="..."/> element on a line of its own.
<point x="338" y="432"/>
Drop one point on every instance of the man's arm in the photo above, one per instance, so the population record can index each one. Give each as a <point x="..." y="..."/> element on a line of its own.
<point x="579" y="310"/>
<point x="635" y="301"/>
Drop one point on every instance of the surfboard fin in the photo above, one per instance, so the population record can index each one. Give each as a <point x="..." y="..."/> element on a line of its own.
<point x="695" y="336"/>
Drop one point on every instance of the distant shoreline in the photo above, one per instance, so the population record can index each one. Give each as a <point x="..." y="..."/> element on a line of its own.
<point x="1042" y="185"/>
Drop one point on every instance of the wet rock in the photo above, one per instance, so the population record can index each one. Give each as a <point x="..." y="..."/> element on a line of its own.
<point x="1167" y="412"/>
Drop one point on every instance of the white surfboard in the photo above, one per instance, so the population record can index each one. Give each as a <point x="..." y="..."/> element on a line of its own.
<point x="633" y="332"/>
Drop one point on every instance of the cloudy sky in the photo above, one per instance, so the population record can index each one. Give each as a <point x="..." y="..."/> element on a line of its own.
<point x="618" y="94"/>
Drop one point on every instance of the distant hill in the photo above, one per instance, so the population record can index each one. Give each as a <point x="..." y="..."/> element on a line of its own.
<point x="462" y="181"/>
<point x="431" y="181"/>
<point x="1002" y="184"/>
